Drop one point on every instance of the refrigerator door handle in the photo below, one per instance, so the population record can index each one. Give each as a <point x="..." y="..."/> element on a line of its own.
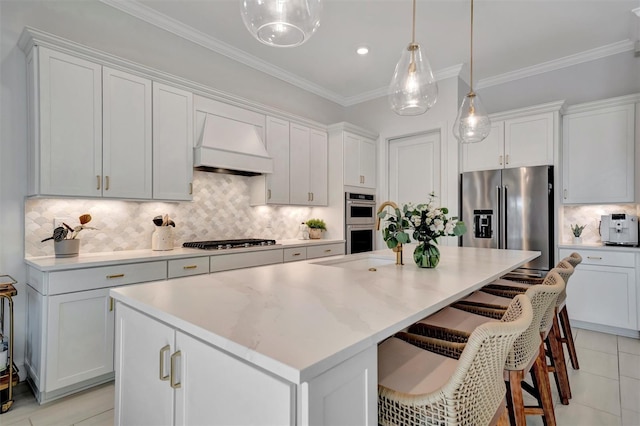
<point x="504" y="218"/>
<point x="499" y="216"/>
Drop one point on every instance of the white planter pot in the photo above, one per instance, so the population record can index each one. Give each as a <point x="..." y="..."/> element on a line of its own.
<point x="577" y="240"/>
<point x="67" y="248"/>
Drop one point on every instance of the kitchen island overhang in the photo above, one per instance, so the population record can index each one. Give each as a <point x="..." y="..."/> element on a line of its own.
<point x="299" y="321"/>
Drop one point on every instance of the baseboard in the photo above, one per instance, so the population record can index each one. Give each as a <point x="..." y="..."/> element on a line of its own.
<point x="45" y="397"/>
<point x="625" y="332"/>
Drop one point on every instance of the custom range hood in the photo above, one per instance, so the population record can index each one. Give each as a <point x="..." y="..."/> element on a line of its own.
<point x="231" y="144"/>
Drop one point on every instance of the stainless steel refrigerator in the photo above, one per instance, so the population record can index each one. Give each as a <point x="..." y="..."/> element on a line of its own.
<point x="510" y="209"/>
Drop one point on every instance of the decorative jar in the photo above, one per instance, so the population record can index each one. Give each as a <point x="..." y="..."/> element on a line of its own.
<point x="162" y="238"/>
<point x="426" y="255"/>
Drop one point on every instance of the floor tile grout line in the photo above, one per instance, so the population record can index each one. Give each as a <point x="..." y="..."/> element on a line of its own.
<point x="558" y="405"/>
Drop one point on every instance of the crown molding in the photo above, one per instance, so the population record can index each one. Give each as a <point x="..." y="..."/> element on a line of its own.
<point x="186" y="32"/>
<point x="556" y="64"/>
<point x="557" y="106"/>
<point x="604" y="103"/>
<point x="352" y="128"/>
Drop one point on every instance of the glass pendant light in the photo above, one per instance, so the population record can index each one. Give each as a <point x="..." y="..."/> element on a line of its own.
<point x="281" y="23"/>
<point x="413" y="90"/>
<point x="472" y="124"/>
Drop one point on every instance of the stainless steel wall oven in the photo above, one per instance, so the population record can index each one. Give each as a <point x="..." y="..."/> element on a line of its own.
<point x="360" y="222"/>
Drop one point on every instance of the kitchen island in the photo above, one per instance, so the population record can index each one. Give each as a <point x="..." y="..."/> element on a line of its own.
<point x="281" y="344"/>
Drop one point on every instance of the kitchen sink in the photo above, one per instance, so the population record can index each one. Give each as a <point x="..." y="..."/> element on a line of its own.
<point x="361" y="263"/>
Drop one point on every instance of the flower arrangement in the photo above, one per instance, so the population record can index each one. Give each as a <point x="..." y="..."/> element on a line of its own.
<point x="68" y="233"/>
<point x="577" y="230"/>
<point x="428" y="223"/>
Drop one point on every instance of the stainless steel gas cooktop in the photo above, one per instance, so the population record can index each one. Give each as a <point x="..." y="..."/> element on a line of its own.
<point x="228" y="244"/>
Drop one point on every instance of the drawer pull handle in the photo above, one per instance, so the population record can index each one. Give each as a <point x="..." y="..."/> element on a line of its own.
<point x="190" y="267"/>
<point x="163" y="351"/>
<point x="327" y="251"/>
<point x="297" y="254"/>
<point x="594" y="257"/>
<point x="110" y="277"/>
<point x="111" y="304"/>
<point x="172" y="379"/>
<point x="106" y="185"/>
<point x="191" y="188"/>
<point x="98" y="179"/>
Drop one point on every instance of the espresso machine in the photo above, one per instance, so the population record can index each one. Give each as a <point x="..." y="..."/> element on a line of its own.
<point x="619" y="229"/>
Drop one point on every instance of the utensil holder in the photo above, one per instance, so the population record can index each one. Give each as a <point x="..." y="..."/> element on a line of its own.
<point x="162" y="238"/>
<point x="67" y="248"/>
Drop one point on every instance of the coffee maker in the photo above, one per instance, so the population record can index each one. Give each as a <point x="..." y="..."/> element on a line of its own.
<point x="619" y="229"/>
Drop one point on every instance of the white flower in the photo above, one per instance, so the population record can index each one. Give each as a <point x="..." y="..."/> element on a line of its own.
<point x="448" y="229"/>
<point x="416" y="220"/>
<point x="439" y="225"/>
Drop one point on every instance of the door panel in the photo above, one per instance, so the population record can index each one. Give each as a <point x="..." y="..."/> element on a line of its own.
<point x="414" y="168"/>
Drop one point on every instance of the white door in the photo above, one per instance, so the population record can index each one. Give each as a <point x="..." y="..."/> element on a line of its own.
<point x="70" y="125"/>
<point x="79" y="338"/>
<point x="142" y="398"/>
<point x="278" y="149"/>
<point x="126" y="141"/>
<point x="172" y="143"/>
<point x="299" y="171"/>
<point x="218" y="389"/>
<point x="414" y="168"/>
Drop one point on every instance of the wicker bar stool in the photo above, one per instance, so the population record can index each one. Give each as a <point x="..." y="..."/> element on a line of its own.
<point x="499" y="296"/>
<point x="454" y="325"/>
<point x="419" y="387"/>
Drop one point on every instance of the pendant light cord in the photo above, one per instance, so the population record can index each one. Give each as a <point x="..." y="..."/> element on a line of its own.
<point x="471" y="56"/>
<point x="413" y="31"/>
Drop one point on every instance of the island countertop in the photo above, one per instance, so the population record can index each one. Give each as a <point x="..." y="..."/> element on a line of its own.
<point x="300" y="319"/>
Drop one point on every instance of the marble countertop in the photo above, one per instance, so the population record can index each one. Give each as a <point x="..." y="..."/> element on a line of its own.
<point x="88" y="260"/>
<point x="299" y="319"/>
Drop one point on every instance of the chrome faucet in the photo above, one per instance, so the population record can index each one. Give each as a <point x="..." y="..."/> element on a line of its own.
<point x="397" y="249"/>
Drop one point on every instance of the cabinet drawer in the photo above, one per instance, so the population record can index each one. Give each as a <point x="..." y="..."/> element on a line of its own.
<point x="603" y="257"/>
<point x="325" y="250"/>
<point x="185" y="267"/>
<point x="107" y="276"/>
<point x="293" y="254"/>
<point x="224" y="262"/>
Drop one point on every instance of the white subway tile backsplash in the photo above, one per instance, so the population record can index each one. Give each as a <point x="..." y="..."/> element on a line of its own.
<point x="219" y="210"/>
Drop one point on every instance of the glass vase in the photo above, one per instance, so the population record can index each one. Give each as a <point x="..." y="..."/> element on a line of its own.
<point x="426" y="255"/>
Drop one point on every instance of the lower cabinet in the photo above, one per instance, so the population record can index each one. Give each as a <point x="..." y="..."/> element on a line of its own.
<point x="603" y="291"/>
<point x="166" y="377"/>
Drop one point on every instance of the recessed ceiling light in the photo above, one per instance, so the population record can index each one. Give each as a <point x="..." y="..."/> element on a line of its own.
<point x="362" y="50"/>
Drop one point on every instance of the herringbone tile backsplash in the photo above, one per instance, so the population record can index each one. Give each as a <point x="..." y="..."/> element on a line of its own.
<point x="589" y="215"/>
<point x="219" y="210"/>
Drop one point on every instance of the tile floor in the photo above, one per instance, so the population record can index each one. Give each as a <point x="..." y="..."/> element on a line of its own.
<point x="606" y="391"/>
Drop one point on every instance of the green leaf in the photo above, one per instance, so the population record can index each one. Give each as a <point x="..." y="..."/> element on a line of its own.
<point x="382" y="214"/>
<point x="403" y="237"/>
<point x="392" y="243"/>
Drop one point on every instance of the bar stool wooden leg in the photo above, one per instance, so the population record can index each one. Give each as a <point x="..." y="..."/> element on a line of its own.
<point x="567" y="338"/>
<point x="541" y="380"/>
<point x="559" y="366"/>
<point x="504" y="418"/>
<point x="515" y="399"/>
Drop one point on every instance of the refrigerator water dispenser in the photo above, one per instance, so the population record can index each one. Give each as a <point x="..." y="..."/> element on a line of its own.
<point x="482" y="223"/>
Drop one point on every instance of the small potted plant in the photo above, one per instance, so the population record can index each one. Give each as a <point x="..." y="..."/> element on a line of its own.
<point x="316" y="226"/>
<point x="66" y="243"/>
<point x="577" y="232"/>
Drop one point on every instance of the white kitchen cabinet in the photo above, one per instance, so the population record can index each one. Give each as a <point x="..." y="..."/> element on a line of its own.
<point x="598" y="153"/>
<point x="79" y="337"/>
<point x="126" y="136"/>
<point x="172" y="143"/>
<point x="309" y="170"/>
<point x="324" y="250"/>
<point x="90" y="128"/>
<point x="165" y="376"/>
<point x="513" y="142"/>
<point x="602" y="291"/>
<point x="359" y="161"/>
<point x="273" y="188"/>
<point x="225" y="262"/>
<point x="65" y="124"/>
<point x="177" y="268"/>
<point x="294" y="254"/>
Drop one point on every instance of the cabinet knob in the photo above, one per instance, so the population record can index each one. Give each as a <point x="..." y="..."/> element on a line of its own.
<point x="190" y="188"/>
<point x="110" y="277"/>
<point x="110" y="304"/>
<point x="506" y="159"/>
<point x="106" y="184"/>
<point x="190" y="267"/>
<point x="327" y="251"/>
<point x="297" y="254"/>
<point x="594" y="257"/>
<point x="500" y="160"/>
<point x="99" y="181"/>
<point x="565" y="194"/>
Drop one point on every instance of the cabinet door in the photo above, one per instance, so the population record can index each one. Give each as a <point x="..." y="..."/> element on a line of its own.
<point x="126" y="141"/>
<point x="79" y="338"/>
<point x="70" y="125"/>
<point x="528" y="141"/>
<point x="352" y="175"/>
<point x="598" y="155"/>
<point x="278" y="148"/>
<point x="485" y="155"/>
<point x="142" y="398"/>
<point x="603" y="295"/>
<point x="368" y="163"/>
<point x="172" y="143"/>
<point x="299" y="171"/>
<point x="214" y="389"/>
<point x="318" y="168"/>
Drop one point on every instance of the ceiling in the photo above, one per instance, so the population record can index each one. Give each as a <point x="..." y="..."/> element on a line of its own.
<point x="512" y="38"/>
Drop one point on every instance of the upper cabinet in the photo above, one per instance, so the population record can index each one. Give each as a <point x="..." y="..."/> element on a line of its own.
<point x="359" y="161"/>
<point x="90" y="132"/>
<point x="518" y="138"/>
<point x="308" y="156"/>
<point x="598" y="153"/>
<point x="172" y="143"/>
<point x="273" y="188"/>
